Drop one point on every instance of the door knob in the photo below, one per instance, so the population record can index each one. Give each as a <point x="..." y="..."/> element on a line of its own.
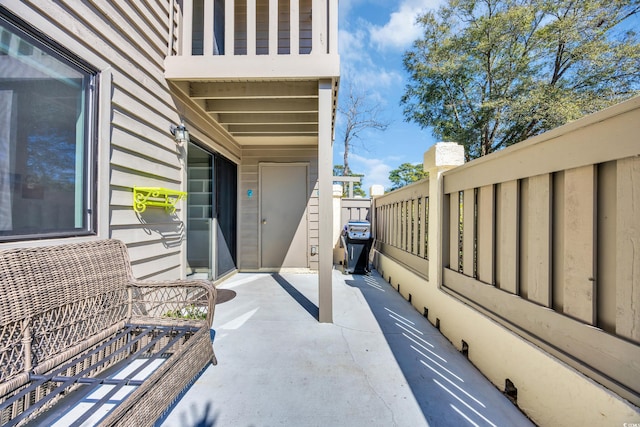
<point x="264" y="221"/>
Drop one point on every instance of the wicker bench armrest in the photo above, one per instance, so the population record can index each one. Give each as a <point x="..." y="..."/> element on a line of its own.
<point x="186" y="299"/>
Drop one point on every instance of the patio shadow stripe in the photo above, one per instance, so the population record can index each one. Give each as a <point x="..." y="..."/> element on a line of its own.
<point x="304" y="302"/>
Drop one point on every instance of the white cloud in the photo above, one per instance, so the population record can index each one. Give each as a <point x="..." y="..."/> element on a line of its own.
<point x="401" y="29"/>
<point x="376" y="171"/>
<point x="352" y="44"/>
<point x="359" y="67"/>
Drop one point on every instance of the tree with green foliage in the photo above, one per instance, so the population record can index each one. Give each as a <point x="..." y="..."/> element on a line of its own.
<point x="491" y="73"/>
<point x="405" y="174"/>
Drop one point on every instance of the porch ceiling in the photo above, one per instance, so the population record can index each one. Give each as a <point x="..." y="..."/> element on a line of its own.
<point x="260" y="112"/>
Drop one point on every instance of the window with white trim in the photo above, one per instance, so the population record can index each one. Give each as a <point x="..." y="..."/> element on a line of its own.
<point x="47" y="143"/>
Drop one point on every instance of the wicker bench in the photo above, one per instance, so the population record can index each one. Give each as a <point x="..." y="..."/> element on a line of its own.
<point x="78" y="331"/>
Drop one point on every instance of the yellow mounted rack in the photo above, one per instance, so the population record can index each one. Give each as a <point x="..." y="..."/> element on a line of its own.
<point x="156" y="196"/>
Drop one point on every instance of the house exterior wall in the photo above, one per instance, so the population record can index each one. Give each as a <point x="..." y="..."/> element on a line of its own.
<point x="133" y="142"/>
<point x="132" y="46"/>
<point x="127" y="44"/>
<point x="249" y="206"/>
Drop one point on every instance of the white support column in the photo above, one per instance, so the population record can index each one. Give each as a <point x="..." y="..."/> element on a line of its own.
<point x="319" y="27"/>
<point x="333" y="27"/>
<point x="325" y="202"/>
<point x="186" y="30"/>
<point x="438" y="159"/>
<point x="171" y="23"/>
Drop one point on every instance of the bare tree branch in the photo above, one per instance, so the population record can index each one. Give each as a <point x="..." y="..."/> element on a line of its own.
<point x="359" y="114"/>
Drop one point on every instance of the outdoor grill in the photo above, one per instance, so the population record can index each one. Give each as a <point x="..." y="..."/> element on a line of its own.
<point x="356" y="240"/>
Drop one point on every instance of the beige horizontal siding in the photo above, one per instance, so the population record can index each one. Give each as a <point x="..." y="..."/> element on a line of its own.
<point x="249" y="207"/>
<point x="129" y="39"/>
<point x="122" y="138"/>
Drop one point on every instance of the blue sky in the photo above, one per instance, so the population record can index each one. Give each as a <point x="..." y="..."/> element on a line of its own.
<point x="373" y="36"/>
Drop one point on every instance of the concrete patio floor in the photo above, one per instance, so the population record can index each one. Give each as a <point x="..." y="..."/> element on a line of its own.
<point x="379" y="364"/>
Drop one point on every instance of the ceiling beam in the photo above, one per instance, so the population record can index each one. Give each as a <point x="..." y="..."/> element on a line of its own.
<point x="274" y="134"/>
<point x="275" y="128"/>
<point x="260" y="90"/>
<point x="262" y="106"/>
<point x="276" y="118"/>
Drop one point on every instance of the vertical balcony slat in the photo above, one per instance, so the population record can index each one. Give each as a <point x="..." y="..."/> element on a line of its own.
<point x="187" y="28"/>
<point x="628" y="242"/>
<point x="229" y="27"/>
<point x="469" y="232"/>
<point x="333" y="27"/>
<point x="171" y="25"/>
<point x="294" y="28"/>
<point x="486" y="234"/>
<point x="507" y="238"/>
<point x="273" y="27"/>
<point x="579" y="239"/>
<point x="207" y="42"/>
<point x="251" y="27"/>
<point x="319" y="25"/>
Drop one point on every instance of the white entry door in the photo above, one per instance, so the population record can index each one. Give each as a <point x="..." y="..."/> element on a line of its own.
<point x="283" y="215"/>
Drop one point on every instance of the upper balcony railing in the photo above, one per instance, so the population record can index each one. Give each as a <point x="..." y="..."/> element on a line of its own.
<point x="254" y="27"/>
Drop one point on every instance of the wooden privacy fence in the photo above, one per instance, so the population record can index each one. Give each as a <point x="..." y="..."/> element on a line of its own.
<point x="401" y="225"/>
<point x="543" y="237"/>
<point x="354" y="210"/>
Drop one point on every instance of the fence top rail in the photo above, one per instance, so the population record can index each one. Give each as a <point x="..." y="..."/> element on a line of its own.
<point x="411" y="191"/>
<point x="347" y="178"/>
<point x="607" y="135"/>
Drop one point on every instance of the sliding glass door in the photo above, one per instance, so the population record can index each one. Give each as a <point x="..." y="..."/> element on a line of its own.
<point x="226" y="191"/>
<point x="211" y="215"/>
<point x="199" y="212"/>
